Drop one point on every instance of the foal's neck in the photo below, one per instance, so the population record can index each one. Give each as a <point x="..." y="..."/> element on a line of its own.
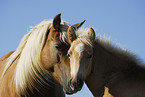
<point x="107" y="59"/>
<point x="108" y="63"/>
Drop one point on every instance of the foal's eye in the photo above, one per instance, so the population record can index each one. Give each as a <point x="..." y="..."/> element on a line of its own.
<point x="89" y="56"/>
<point x="68" y="55"/>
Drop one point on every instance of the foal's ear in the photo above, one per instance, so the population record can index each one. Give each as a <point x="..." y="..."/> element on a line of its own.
<point x="71" y="34"/>
<point x="91" y="34"/>
<point x="56" y="22"/>
<point x="78" y="25"/>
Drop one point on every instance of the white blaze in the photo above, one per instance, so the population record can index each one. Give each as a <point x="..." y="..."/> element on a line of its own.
<point x="75" y="62"/>
<point x="80" y="48"/>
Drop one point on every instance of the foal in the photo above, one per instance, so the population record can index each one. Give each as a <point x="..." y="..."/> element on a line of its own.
<point x="101" y="65"/>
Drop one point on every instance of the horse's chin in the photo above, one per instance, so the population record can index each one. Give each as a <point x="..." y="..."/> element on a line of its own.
<point x="71" y="90"/>
<point x="68" y="90"/>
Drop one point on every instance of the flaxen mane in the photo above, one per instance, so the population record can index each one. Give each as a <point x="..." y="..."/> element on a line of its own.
<point x="29" y="66"/>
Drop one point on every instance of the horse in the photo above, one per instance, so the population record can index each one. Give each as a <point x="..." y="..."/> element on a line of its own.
<point x="97" y="62"/>
<point x="39" y="67"/>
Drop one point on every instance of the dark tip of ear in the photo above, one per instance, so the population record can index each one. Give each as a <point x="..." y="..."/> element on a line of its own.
<point x="81" y="24"/>
<point x="78" y="25"/>
<point x="83" y="21"/>
<point x="58" y="15"/>
<point x="57" y="21"/>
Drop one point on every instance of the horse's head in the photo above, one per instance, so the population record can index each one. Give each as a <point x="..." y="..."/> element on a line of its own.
<point x="80" y="54"/>
<point x="54" y="46"/>
<point x="54" y="53"/>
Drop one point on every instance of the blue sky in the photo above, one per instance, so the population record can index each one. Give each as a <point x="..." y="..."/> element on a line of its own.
<point x="123" y="20"/>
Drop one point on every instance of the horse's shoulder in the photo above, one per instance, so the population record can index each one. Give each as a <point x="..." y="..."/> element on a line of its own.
<point x="6" y="56"/>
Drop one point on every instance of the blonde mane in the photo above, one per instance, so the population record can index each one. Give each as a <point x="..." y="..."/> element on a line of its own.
<point x="29" y="67"/>
<point x="82" y="36"/>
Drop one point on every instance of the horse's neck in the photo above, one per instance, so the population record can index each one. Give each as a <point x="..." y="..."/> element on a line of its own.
<point x="103" y="65"/>
<point x="41" y="88"/>
<point x="111" y="66"/>
<point x="6" y="86"/>
<point x="44" y="87"/>
<point x="105" y="62"/>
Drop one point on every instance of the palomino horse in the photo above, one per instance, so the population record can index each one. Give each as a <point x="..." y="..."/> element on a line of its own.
<point x="39" y="67"/>
<point x="76" y="52"/>
<point x="101" y="65"/>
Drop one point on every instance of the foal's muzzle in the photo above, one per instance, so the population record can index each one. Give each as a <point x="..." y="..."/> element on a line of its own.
<point x="76" y="85"/>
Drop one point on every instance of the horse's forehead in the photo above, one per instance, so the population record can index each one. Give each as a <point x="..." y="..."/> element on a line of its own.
<point x="80" y="47"/>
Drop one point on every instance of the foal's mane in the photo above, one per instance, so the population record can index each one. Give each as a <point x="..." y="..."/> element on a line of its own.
<point x="28" y="53"/>
<point x="82" y="36"/>
<point x="118" y="51"/>
<point x="105" y="43"/>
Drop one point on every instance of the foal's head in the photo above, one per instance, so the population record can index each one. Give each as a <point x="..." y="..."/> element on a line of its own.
<point x="80" y="54"/>
<point x="54" y="53"/>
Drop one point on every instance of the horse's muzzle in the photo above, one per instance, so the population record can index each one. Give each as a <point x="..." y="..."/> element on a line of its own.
<point x="76" y="85"/>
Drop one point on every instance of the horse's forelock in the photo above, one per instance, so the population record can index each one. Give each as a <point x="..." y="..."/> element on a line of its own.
<point x="63" y="33"/>
<point x="82" y="36"/>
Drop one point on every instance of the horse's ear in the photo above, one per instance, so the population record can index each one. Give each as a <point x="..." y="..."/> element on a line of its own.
<point x="91" y="34"/>
<point x="78" y="25"/>
<point x="56" y="22"/>
<point x="71" y="34"/>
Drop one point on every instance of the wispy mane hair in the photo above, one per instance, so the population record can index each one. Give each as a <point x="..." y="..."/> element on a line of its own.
<point x="82" y="36"/>
<point x="28" y="53"/>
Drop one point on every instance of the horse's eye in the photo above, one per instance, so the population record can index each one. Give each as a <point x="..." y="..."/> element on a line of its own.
<point x="89" y="56"/>
<point x="58" y="47"/>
